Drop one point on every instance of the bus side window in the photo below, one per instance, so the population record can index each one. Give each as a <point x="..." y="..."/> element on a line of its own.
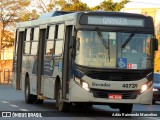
<point x="34" y="45"/>
<point x="59" y="47"/>
<point x="27" y="43"/>
<point x="59" y="39"/>
<point x="50" y="40"/>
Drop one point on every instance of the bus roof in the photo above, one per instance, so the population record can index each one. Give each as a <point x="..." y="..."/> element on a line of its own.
<point x="62" y="16"/>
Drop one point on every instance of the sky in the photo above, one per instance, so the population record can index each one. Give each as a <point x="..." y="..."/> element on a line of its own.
<point x="132" y="4"/>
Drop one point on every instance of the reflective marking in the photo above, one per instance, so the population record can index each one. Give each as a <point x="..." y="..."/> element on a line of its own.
<point x="4" y="102"/>
<point x="13" y="105"/>
<point x="24" y="110"/>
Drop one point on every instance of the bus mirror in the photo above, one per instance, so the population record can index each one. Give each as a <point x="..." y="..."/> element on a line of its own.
<point x="73" y="46"/>
<point x="155" y="44"/>
<point x="78" y="43"/>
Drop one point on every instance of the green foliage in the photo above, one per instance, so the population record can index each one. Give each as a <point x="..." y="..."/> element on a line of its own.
<point x="29" y="15"/>
<point x="110" y="5"/>
<point x="8" y="39"/>
<point x="74" y="5"/>
<point x="11" y="10"/>
<point x="43" y="6"/>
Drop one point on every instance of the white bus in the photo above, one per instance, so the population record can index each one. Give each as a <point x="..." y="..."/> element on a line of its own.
<point x="82" y="58"/>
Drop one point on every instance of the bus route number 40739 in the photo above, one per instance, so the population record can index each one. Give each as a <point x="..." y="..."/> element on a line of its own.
<point x="130" y="85"/>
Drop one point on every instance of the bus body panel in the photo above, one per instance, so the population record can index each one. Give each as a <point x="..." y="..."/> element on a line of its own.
<point x="47" y="89"/>
<point x="48" y="82"/>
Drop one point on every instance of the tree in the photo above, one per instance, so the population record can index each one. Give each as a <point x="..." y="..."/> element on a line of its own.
<point x="10" y="13"/>
<point x="8" y="39"/>
<point x="110" y="5"/>
<point x="73" y="5"/>
<point x="44" y="5"/>
<point x="29" y="15"/>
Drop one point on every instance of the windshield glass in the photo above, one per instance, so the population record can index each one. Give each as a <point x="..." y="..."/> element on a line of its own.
<point x="93" y="51"/>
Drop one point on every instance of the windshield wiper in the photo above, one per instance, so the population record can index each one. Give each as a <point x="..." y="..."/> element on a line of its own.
<point x="106" y="45"/>
<point x="102" y="38"/>
<point x="129" y="38"/>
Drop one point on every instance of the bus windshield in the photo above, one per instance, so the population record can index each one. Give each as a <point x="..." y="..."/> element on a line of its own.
<point x="91" y="51"/>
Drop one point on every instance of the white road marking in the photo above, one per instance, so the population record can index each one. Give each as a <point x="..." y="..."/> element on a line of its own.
<point x="4" y="102"/>
<point x="13" y="105"/>
<point x="24" y="110"/>
<point x="153" y="118"/>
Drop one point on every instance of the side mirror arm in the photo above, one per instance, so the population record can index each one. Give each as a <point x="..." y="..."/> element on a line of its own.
<point x="72" y="46"/>
<point x="155" y="44"/>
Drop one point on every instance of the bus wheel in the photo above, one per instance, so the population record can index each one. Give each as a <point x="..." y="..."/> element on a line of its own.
<point x="39" y="101"/>
<point x="126" y="108"/>
<point x="29" y="98"/>
<point x="60" y="104"/>
<point x="153" y="102"/>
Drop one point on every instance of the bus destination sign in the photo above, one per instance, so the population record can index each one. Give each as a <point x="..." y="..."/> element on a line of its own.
<point x="115" y="21"/>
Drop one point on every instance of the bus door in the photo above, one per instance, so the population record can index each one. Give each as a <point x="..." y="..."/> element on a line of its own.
<point x="67" y="60"/>
<point x="40" y="57"/>
<point x="18" y="58"/>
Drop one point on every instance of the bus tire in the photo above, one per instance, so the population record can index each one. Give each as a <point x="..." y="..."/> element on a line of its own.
<point x="39" y="101"/>
<point x="126" y="108"/>
<point x="60" y="104"/>
<point x="29" y="98"/>
<point x="153" y="102"/>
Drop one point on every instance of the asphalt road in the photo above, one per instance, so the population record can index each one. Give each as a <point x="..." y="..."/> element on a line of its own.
<point x="12" y="103"/>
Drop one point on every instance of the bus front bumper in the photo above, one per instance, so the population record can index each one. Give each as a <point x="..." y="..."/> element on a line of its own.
<point x="79" y="94"/>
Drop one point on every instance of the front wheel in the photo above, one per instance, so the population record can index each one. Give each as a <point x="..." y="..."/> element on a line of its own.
<point x="60" y="104"/>
<point x="126" y="108"/>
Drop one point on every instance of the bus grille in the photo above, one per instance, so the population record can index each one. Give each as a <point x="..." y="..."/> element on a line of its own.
<point x="104" y="93"/>
<point x="116" y="76"/>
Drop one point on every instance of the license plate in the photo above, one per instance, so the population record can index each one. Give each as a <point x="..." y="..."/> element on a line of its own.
<point x="115" y="96"/>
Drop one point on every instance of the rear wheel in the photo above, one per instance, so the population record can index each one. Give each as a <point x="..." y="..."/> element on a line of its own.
<point x="126" y="108"/>
<point x="153" y="102"/>
<point x="39" y="101"/>
<point x="29" y="98"/>
<point x="60" y="104"/>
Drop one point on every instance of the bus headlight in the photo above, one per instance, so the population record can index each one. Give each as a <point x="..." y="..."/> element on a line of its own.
<point x="81" y="83"/>
<point x="144" y="88"/>
<point x="154" y="89"/>
<point x="85" y="86"/>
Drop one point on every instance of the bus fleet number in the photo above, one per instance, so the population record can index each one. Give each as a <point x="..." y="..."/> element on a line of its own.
<point x="130" y="85"/>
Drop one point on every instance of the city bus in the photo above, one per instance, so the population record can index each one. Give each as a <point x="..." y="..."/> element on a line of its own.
<point x="81" y="58"/>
